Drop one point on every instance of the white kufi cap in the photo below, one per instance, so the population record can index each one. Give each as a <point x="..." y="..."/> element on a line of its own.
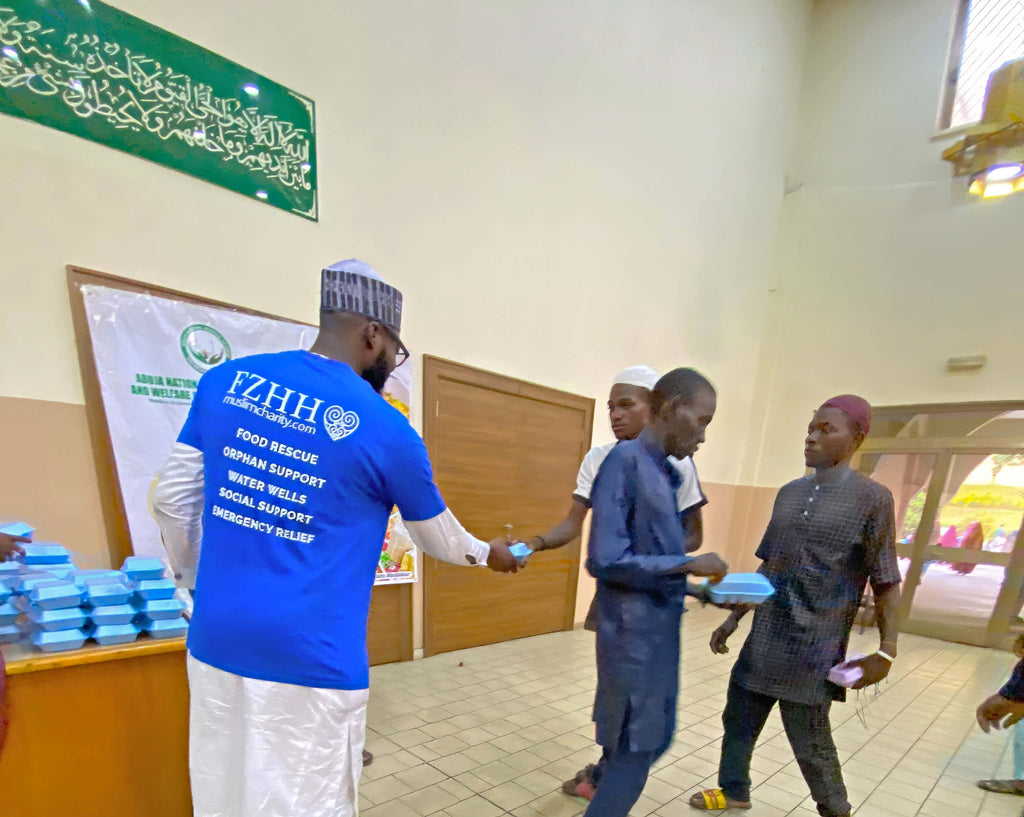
<point x="642" y="376"/>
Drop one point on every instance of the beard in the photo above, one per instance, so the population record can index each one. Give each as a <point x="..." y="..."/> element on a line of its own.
<point x="377" y="374"/>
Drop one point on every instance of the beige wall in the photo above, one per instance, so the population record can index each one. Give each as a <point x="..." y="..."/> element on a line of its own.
<point x="561" y="188"/>
<point x="49" y="476"/>
<point x="553" y="185"/>
<point x="884" y="268"/>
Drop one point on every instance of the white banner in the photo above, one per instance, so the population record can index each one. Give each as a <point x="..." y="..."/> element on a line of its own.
<point x="150" y="353"/>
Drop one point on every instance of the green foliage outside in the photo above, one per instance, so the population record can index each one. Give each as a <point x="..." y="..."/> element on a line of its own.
<point x="994" y="506"/>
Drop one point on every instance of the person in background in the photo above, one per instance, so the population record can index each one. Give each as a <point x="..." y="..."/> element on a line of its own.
<point x="830" y="534"/>
<point x="1016" y="622"/>
<point x="949" y="538"/>
<point x="10" y="546"/>
<point x="994" y="705"/>
<point x="638" y="554"/>
<point x="629" y="410"/>
<point x="973" y="539"/>
<point x="287" y="470"/>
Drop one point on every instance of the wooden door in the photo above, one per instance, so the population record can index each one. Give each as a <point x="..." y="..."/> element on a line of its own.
<point x="389" y="630"/>
<point x="504" y="452"/>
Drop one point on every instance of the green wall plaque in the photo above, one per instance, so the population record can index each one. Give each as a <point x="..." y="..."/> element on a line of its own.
<point x="89" y="69"/>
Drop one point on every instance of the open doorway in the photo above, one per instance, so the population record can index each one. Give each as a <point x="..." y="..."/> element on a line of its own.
<point x="957" y="478"/>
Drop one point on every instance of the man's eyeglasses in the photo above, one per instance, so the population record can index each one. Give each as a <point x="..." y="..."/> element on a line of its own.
<point x="401" y="353"/>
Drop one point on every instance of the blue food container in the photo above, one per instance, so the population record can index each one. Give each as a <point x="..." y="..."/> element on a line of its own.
<point x="29" y="580"/>
<point x="110" y="634"/>
<point x="45" y="553"/>
<point x="10" y="634"/>
<point x="106" y="593"/>
<point x="69" y="618"/>
<point x="8" y="614"/>
<point x="154" y="589"/>
<point x="56" y="595"/>
<point x="59" y="641"/>
<point x="168" y="628"/>
<point x="161" y="609"/>
<point x="80" y="577"/>
<point x="18" y="529"/>
<point x="140" y="569"/>
<point x="113" y="614"/>
<point x="741" y="588"/>
<point x="59" y="571"/>
<point x="521" y="551"/>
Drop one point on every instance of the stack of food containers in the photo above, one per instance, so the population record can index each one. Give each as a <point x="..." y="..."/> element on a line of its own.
<point x="49" y="599"/>
<point x="159" y="613"/>
<point x="9" y="630"/>
<point x="110" y="614"/>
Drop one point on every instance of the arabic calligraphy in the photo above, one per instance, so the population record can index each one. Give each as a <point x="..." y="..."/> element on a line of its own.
<point x="105" y="82"/>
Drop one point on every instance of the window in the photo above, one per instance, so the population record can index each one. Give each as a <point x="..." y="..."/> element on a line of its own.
<point x="976" y="421"/>
<point x="987" y="34"/>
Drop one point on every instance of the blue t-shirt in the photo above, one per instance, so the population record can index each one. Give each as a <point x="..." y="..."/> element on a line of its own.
<point x="303" y="464"/>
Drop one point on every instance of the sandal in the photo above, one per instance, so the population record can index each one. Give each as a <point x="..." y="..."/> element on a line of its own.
<point x="582" y="785"/>
<point x="367" y="758"/>
<point x="1003" y="786"/>
<point x="715" y="800"/>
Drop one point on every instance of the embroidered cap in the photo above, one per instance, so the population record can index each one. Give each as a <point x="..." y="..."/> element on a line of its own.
<point x="354" y="286"/>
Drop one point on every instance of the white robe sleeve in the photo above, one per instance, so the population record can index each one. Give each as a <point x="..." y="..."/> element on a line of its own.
<point x="444" y="538"/>
<point x="178" y="509"/>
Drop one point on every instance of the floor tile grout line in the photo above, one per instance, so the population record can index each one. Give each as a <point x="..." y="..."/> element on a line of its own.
<point x="962" y="657"/>
<point x="939" y="734"/>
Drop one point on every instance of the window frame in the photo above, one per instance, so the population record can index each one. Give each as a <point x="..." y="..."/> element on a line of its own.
<point x="951" y="76"/>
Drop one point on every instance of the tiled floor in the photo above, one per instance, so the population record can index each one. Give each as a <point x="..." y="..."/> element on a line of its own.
<point x="494" y="730"/>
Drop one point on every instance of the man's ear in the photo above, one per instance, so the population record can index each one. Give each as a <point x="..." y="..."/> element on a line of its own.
<point x="370" y="332"/>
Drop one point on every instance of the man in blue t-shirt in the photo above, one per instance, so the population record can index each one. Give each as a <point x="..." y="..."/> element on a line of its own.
<point x="286" y="471"/>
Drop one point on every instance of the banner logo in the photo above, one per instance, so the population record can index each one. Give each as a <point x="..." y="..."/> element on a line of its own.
<point x="340" y="423"/>
<point x="204" y="347"/>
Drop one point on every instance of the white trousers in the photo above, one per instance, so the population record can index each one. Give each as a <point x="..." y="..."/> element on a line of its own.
<point x="265" y="749"/>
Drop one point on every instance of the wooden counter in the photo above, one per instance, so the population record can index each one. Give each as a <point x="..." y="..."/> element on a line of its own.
<point x="103" y="731"/>
<point x="97" y="731"/>
<point x="22" y="658"/>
